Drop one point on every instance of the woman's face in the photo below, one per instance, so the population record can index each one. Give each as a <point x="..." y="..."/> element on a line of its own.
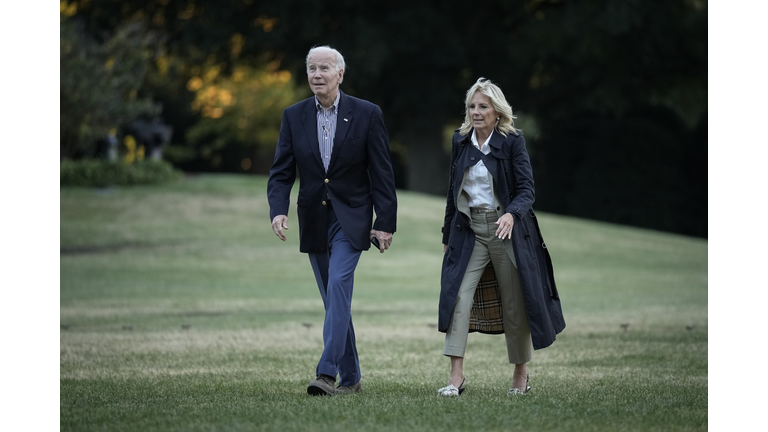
<point x="482" y="113"/>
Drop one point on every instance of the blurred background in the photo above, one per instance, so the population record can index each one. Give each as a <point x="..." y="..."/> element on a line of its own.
<point x="611" y="95"/>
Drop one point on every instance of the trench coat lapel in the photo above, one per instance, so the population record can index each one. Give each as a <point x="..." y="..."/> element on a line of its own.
<point x="309" y="119"/>
<point x="491" y="163"/>
<point x="497" y="140"/>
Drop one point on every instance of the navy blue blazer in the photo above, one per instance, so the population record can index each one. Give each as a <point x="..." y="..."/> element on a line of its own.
<point x="359" y="179"/>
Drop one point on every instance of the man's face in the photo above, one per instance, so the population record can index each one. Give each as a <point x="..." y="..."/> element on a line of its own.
<point x="322" y="75"/>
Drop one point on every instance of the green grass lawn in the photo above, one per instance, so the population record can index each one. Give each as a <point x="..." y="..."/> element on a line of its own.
<point x="181" y="311"/>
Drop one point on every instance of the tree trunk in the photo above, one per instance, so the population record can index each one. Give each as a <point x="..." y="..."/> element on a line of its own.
<point x="428" y="161"/>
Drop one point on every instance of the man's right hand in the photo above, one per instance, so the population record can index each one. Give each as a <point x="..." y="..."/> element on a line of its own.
<point x="280" y="223"/>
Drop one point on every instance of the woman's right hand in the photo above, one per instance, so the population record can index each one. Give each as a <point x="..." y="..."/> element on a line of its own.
<point x="445" y="248"/>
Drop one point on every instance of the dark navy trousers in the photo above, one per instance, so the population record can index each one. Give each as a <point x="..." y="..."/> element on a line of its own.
<point x="335" y="274"/>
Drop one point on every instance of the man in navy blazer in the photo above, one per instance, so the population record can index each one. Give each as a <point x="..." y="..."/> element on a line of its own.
<point x="339" y="145"/>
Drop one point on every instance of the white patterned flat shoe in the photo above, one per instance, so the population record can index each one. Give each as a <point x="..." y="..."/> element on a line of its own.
<point x="516" y="392"/>
<point x="451" y="390"/>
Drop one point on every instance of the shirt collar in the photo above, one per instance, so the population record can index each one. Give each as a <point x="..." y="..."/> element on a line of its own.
<point x="334" y="107"/>
<point x="476" y="144"/>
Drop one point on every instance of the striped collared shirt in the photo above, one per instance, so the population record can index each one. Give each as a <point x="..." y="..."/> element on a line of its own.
<point x="326" y="129"/>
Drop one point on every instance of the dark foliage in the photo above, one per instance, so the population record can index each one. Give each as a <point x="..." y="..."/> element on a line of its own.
<point x="100" y="83"/>
<point x="612" y="94"/>
<point x="98" y="173"/>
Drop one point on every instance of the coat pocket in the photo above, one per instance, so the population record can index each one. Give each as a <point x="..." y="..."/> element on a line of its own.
<point x="549" y="272"/>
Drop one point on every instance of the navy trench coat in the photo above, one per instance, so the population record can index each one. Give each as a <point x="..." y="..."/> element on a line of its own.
<point x="510" y="167"/>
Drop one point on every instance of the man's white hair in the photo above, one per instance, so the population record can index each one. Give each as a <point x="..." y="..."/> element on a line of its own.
<point x="325" y="48"/>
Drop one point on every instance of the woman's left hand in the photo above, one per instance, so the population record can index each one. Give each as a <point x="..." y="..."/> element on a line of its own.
<point x="505" y="223"/>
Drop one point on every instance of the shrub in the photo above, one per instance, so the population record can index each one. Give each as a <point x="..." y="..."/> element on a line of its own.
<point x="100" y="83"/>
<point x="98" y="173"/>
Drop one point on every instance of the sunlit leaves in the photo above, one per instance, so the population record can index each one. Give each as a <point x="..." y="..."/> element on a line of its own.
<point x="241" y="108"/>
<point x="267" y="24"/>
<point x="68" y="9"/>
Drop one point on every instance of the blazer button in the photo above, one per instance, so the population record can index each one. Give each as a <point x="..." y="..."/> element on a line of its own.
<point x="326" y="180"/>
<point x="472" y="158"/>
<point x="323" y="202"/>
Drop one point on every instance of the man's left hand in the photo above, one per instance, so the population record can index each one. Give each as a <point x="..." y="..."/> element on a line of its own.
<point x="385" y="239"/>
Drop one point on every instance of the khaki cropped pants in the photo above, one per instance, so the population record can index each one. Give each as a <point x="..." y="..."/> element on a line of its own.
<point x="489" y="248"/>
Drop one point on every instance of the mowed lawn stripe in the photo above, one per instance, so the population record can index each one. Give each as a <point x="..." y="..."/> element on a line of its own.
<point x="181" y="311"/>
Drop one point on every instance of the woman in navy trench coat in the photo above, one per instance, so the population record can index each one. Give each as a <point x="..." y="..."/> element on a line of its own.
<point x="509" y="170"/>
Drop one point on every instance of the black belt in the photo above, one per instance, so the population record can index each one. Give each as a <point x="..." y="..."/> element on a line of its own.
<point x="482" y="210"/>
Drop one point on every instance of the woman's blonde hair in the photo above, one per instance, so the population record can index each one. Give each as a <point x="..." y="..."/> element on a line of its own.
<point x="505" y="124"/>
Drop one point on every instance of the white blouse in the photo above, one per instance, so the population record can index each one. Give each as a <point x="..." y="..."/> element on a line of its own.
<point x="477" y="179"/>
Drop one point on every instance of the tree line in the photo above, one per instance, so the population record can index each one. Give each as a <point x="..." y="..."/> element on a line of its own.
<point x="611" y="95"/>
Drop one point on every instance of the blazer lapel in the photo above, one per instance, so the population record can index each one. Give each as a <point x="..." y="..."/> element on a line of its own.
<point x="309" y="119"/>
<point x="343" y="122"/>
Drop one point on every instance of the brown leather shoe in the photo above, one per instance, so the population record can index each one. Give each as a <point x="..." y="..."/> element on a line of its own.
<point x="354" y="388"/>
<point x="322" y="386"/>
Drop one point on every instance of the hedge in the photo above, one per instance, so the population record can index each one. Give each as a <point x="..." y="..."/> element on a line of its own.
<point x="98" y="173"/>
